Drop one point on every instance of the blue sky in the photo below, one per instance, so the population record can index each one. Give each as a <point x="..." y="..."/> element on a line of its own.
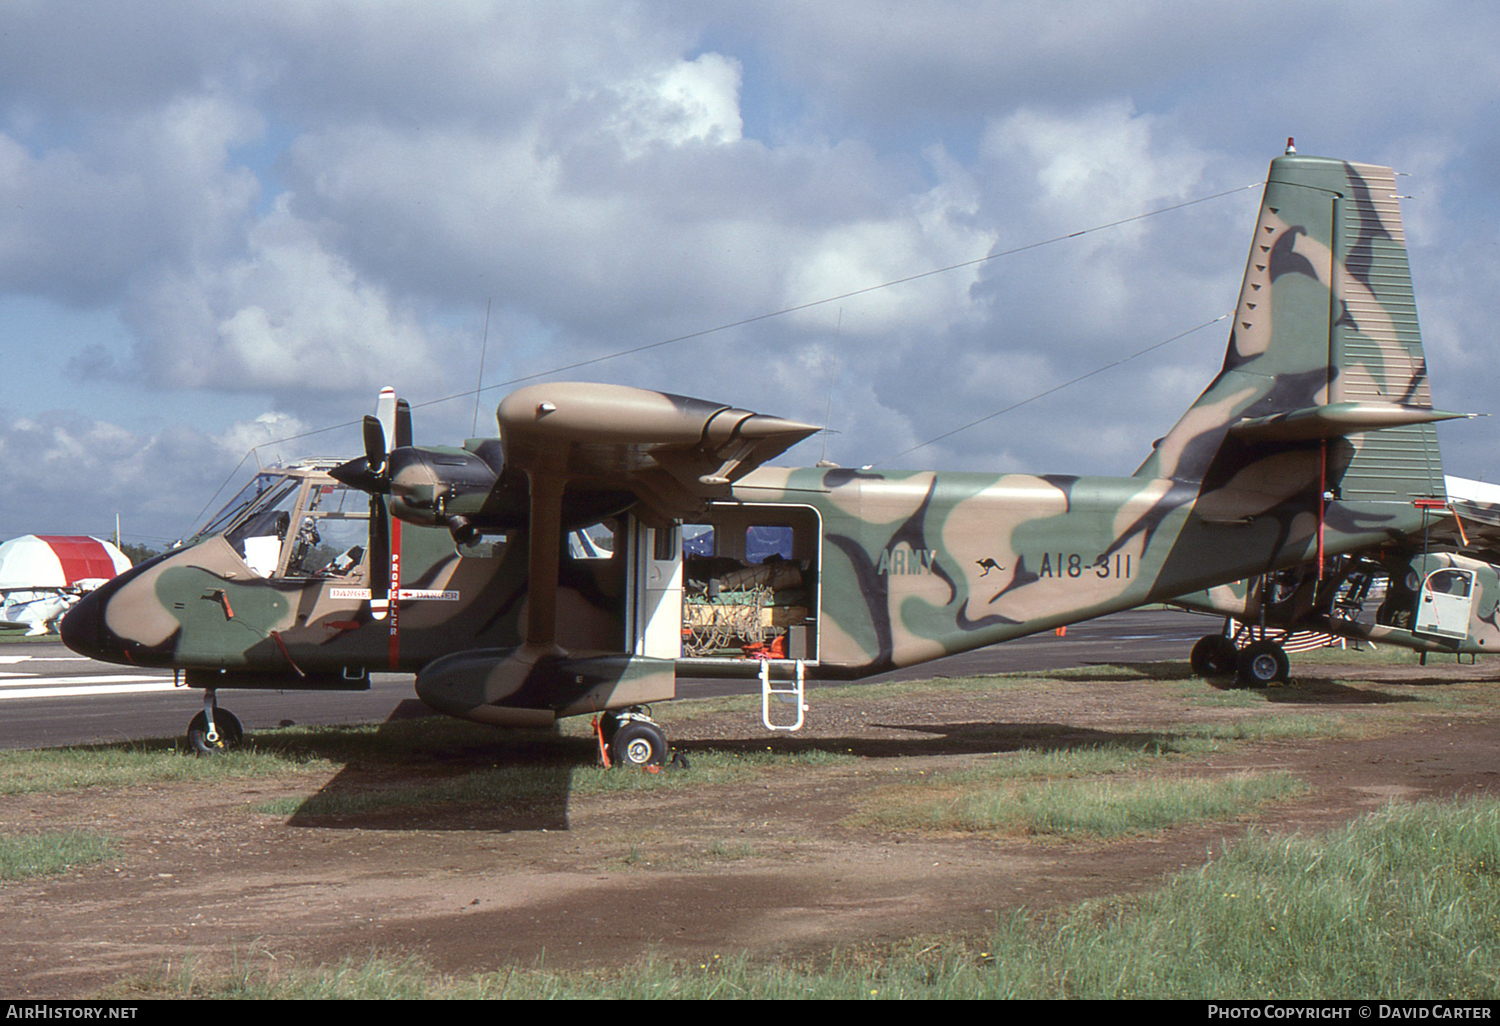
<point x="225" y="224"/>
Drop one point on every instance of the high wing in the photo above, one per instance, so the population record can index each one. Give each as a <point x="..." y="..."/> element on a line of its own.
<point x="610" y="446"/>
<point x="673" y="453"/>
<point x="569" y="453"/>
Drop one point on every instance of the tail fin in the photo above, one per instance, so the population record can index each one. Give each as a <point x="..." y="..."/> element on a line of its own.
<point x="1325" y="342"/>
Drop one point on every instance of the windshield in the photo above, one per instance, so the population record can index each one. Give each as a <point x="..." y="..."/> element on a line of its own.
<point x="232" y="510"/>
<point x="296" y="524"/>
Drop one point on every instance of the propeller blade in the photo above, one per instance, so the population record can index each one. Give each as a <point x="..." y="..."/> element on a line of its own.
<point x="385" y="412"/>
<point x="380" y="559"/>
<point x="375" y="450"/>
<point x="403" y="424"/>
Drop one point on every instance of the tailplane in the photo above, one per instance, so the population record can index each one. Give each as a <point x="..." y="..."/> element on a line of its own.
<point x="1325" y="345"/>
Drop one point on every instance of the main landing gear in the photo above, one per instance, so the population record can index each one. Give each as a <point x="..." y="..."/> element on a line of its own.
<point x="1257" y="665"/>
<point x="214" y="730"/>
<point x="1261" y="664"/>
<point x="633" y="738"/>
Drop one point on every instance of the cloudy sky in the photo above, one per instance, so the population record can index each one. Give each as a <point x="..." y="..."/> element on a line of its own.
<point x="225" y="224"/>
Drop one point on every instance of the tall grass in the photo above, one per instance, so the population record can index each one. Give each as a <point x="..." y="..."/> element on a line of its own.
<point x="1405" y="904"/>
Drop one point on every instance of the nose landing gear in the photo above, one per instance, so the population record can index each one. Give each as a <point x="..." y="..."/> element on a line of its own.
<point x="214" y="730"/>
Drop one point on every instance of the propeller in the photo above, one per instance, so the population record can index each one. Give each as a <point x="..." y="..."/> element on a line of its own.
<point x="388" y="431"/>
<point x="429" y="487"/>
<point x="385" y="432"/>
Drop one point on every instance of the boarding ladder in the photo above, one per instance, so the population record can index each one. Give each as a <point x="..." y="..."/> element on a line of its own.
<point x="787" y="696"/>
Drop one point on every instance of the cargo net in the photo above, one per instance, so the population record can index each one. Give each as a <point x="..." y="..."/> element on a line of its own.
<point x="732" y="620"/>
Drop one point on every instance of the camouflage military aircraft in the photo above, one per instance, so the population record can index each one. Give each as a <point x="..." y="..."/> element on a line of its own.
<point x="611" y="537"/>
<point x="1437" y="591"/>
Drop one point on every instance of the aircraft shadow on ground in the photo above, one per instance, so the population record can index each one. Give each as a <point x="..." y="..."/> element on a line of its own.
<point x="1302" y="690"/>
<point x="424" y="772"/>
<point x="1336" y="675"/>
<point x="1115" y="671"/>
<point x="1330" y="692"/>
<point x="945" y="739"/>
<point x="442" y="774"/>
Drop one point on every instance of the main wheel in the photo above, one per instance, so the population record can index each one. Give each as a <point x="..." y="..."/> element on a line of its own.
<point x="1214" y="656"/>
<point x="638" y="743"/>
<point x="229" y="733"/>
<point x="1261" y="664"/>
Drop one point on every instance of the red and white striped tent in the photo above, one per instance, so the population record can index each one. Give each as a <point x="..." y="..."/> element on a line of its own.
<point x="58" y="561"/>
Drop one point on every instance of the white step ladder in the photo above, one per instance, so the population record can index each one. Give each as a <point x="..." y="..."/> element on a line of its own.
<point x="788" y="696"/>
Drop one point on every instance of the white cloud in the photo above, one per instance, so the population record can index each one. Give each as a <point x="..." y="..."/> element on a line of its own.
<point x="302" y="198"/>
<point x="275" y="432"/>
<point x="693" y="101"/>
<point x="1105" y="161"/>
<point x="288" y="316"/>
<point x="66" y="473"/>
<point x="80" y="221"/>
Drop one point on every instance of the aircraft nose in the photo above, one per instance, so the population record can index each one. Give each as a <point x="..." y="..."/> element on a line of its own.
<point x="83" y="630"/>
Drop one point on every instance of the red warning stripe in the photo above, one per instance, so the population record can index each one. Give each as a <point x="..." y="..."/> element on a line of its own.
<point x="81" y="557"/>
<point x="395" y="585"/>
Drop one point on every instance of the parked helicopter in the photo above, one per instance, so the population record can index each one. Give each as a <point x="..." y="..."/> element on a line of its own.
<point x="456" y="563"/>
<point x="1434" y="591"/>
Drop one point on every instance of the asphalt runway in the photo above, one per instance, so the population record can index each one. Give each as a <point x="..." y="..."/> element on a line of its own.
<point x="50" y="696"/>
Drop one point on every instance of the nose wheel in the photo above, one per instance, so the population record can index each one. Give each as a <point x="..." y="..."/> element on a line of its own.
<point x="214" y="730"/>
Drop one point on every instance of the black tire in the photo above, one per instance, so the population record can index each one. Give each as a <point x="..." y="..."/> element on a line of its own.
<point x="1262" y="664"/>
<point x="230" y="733"/>
<point x="1214" y="656"/>
<point x="609" y="726"/>
<point x="638" y="743"/>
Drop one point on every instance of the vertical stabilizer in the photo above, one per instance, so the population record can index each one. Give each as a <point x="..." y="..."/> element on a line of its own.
<point x="1326" y="318"/>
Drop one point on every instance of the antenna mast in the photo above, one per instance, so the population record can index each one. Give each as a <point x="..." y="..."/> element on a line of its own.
<point x="832" y="377"/>
<point x="479" y="385"/>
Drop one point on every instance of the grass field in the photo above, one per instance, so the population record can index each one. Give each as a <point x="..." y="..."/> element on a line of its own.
<point x="1404" y="904"/>
<point x="1400" y="904"/>
<point x="24" y="857"/>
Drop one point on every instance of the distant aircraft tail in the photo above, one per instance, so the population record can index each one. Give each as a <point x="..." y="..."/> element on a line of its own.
<point x="1325" y="354"/>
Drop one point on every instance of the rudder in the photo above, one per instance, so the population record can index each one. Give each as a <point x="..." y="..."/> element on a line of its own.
<point x="1325" y="342"/>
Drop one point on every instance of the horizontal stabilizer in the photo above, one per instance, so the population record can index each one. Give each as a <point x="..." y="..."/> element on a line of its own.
<point x="1335" y="420"/>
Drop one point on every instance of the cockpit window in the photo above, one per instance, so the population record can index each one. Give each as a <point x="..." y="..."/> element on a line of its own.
<point x="332" y="531"/>
<point x="247" y="497"/>
<point x="297" y="525"/>
<point x="258" y="536"/>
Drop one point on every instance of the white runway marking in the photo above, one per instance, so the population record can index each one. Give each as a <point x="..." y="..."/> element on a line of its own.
<point x="11" y="659"/>
<point x="86" y="691"/>
<point x="34" y="684"/>
<point x="83" y="683"/>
